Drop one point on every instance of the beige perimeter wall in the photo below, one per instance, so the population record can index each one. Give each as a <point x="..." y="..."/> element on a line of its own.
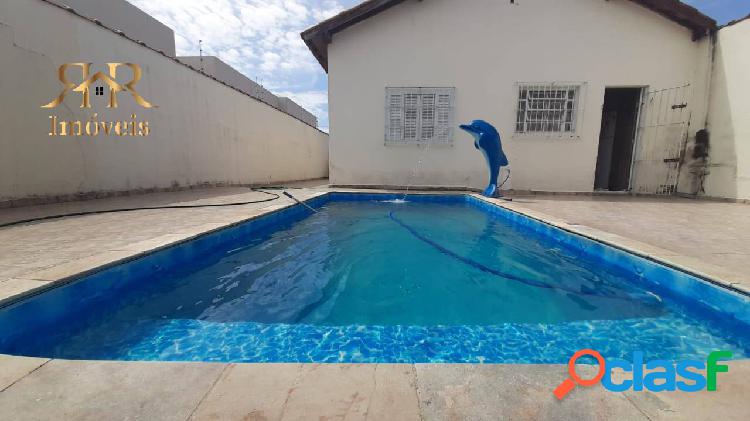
<point x="483" y="51"/>
<point x="201" y="132"/>
<point x="729" y="115"/>
<point x="124" y="16"/>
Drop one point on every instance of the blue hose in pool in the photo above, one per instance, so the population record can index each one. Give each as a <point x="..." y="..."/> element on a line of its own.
<point x="530" y="282"/>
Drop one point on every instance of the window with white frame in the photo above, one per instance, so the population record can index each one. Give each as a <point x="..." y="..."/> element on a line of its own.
<point x="418" y="115"/>
<point x="548" y="108"/>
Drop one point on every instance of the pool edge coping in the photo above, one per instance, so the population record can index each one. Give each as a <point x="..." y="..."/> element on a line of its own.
<point x="713" y="279"/>
<point x="49" y="284"/>
<point x="209" y="393"/>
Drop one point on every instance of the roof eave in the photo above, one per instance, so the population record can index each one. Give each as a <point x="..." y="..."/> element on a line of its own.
<point x="318" y="47"/>
<point x="319" y="36"/>
<point x="736" y="21"/>
<point x="683" y="14"/>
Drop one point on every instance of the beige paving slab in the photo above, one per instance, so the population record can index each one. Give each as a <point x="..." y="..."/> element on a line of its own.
<point x="728" y="402"/>
<point x="12" y="288"/>
<point x="32" y="260"/>
<point x="186" y="197"/>
<point x="204" y="228"/>
<point x="7" y="272"/>
<point x="79" y="266"/>
<point x="13" y="368"/>
<point x="518" y="392"/>
<point x="152" y="243"/>
<point x="727" y="274"/>
<point x="272" y="208"/>
<point x="353" y="392"/>
<point x="232" y="217"/>
<point x="702" y="267"/>
<point x="673" y="229"/>
<point x="395" y="395"/>
<point x="99" y="390"/>
<point x="249" y="392"/>
<point x="624" y="242"/>
<point x="736" y="262"/>
<point x="697" y="228"/>
<point x="664" y="227"/>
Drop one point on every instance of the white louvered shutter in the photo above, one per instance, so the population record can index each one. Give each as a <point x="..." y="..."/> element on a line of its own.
<point x="419" y="115"/>
<point x="394" y="116"/>
<point x="444" y="118"/>
<point x="427" y="117"/>
<point x="411" y="116"/>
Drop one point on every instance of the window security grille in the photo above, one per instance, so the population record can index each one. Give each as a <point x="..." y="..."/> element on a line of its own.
<point x="419" y="115"/>
<point x="548" y="108"/>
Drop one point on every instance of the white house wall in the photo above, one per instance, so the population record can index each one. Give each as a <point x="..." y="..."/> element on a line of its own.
<point x="729" y="115"/>
<point x="201" y="132"/>
<point x="483" y="48"/>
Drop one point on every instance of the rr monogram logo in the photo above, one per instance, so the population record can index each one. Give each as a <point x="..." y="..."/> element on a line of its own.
<point x="111" y="81"/>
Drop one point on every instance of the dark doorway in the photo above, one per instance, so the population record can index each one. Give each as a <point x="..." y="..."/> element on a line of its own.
<point x="619" y="120"/>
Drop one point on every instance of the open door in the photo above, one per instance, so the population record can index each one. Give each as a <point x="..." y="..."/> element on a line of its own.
<point x="663" y="132"/>
<point x="616" y="138"/>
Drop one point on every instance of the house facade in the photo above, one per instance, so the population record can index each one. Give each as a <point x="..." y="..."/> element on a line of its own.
<point x="586" y="94"/>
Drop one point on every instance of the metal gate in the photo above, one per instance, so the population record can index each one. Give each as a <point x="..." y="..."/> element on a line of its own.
<point x="660" y="144"/>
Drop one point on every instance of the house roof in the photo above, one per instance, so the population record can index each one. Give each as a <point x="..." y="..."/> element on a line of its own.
<point x="319" y="36"/>
<point x="736" y="21"/>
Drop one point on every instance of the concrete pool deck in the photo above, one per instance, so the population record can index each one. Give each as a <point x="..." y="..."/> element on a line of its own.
<point x="708" y="238"/>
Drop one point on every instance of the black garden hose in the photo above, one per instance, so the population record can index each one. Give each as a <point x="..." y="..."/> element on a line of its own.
<point x="97" y="212"/>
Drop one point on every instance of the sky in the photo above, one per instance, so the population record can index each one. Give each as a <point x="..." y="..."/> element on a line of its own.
<point x="260" y="38"/>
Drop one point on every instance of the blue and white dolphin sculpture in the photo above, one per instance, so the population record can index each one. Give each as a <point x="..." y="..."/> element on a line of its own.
<point x="487" y="140"/>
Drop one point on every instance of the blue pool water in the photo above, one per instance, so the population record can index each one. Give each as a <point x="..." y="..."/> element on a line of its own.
<point x="436" y="279"/>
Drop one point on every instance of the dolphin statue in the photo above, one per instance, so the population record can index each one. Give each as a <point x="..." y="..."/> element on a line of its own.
<point x="487" y="140"/>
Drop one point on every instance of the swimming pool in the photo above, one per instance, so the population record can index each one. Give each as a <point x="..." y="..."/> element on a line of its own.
<point x="441" y="278"/>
